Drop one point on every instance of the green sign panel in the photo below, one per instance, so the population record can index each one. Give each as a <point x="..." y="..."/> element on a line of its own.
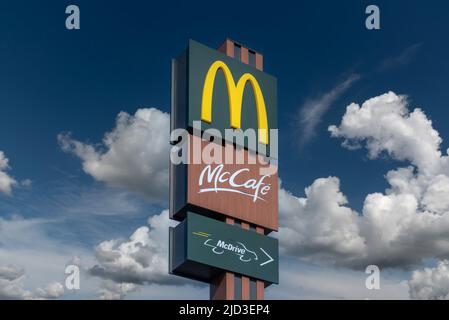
<point x="189" y="86"/>
<point x="201" y="248"/>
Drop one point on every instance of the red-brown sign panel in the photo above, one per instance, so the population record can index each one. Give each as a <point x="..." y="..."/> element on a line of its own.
<point x="247" y="190"/>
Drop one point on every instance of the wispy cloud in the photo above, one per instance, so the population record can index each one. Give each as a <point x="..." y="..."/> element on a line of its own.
<point x="313" y="110"/>
<point x="404" y="58"/>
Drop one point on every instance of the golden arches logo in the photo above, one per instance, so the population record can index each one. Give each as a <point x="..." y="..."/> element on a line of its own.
<point x="235" y="94"/>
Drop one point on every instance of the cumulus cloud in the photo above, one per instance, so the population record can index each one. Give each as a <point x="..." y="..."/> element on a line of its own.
<point x="27" y="243"/>
<point x="430" y="283"/>
<point x="406" y="223"/>
<point x="304" y="280"/>
<point x="53" y="290"/>
<point x="6" y="181"/>
<point x="12" y="287"/>
<point x="385" y="124"/>
<point x="141" y="259"/>
<point x="11" y="283"/>
<point x="134" y="155"/>
<point x="116" y="291"/>
<point x="313" y="110"/>
<point x="319" y="226"/>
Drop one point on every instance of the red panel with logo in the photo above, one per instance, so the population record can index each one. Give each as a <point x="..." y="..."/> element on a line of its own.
<point x="246" y="191"/>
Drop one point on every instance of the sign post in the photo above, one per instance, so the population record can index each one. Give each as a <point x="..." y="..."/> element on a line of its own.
<point x="227" y="107"/>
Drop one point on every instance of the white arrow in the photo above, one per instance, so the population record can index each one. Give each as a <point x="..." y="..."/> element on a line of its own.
<point x="270" y="259"/>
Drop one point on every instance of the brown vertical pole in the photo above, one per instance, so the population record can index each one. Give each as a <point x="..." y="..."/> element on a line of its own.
<point x="227" y="48"/>
<point x="245" y="280"/>
<point x="223" y="288"/>
<point x="244" y="55"/>
<point x="260" y="285"/>
<point x="259" y="61"/>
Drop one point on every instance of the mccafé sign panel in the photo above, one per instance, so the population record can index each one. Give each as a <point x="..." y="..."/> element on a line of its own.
<point x="223" y="93"/>
<point x="247" y="191"/>
<point x="200" y="248"/>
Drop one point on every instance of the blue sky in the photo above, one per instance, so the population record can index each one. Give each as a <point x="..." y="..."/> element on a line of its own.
<point x="55" y="81"/>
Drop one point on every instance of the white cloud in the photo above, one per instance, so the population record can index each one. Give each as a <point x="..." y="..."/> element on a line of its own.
<point x="53" y="290"/>
<point x="313" y="110"/>
<point x="12" y="286"/>
<point x="143" y="258"/>
<point x="26" y="243"/>
<point x="116" y="291"/>
<point x="386" y="125"/>
<point x="6" y="181"/>
<point x="400" y="227"/>
<point x="134" y="155"/>
<point x="319" y="226"/>
<point x="11" y="283"/>
<point x="23" y="233"/>
<point x="430" y="283"/>
<point x="300" y="280"/>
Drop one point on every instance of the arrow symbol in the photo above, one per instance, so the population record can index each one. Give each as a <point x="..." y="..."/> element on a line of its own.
<point x="270" y="259"/>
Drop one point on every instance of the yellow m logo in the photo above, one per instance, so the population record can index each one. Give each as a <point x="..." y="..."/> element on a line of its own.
<point x="235" y="93"/>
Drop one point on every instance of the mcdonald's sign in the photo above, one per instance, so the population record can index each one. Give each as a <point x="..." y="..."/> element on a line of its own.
<point x="223" y="170"/>
<point x="223" y="93"/>
<point x="235" y="97"/>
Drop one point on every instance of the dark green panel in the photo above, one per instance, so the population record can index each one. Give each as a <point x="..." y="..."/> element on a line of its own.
<point x="214" y="245"/>
<point x="200" y="58"/>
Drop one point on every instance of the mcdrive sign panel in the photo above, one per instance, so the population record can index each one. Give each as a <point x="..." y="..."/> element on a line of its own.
<point x="223" y="93"/>
<point x="248" y="192"/>
<point x="201" y="248"/>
